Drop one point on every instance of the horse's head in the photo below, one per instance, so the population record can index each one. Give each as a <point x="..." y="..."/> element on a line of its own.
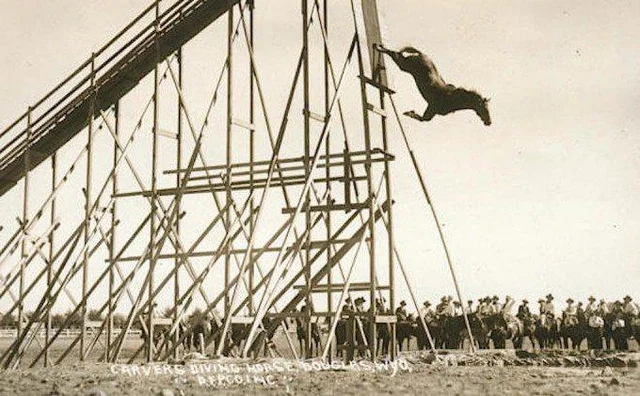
<point x="481" y="108"/>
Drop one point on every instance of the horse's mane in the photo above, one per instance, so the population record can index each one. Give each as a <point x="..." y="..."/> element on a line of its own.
<point x="410" y="49"/>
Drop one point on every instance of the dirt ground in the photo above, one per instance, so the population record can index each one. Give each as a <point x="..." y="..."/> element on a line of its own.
<point x="456" y="373"/>
<point x="413" y="378"/>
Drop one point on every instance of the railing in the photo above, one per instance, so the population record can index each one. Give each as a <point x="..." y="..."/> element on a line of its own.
<point x="93" y="73"/>
<point x="66" y="333"/>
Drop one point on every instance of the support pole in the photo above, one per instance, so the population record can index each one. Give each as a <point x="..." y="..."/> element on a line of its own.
<point x="87" y="208"/>
<point x="325" y="17"/>
<point x="113" y="240"/>
<point x="252" y="131"/>
<point x="51" y="258"/>
<point x="25" y="220"/>
<point x="307" y="130"/>
<point x="176" y="276"/>
<point x="371" y="203"/>
<point x="229" y="158"/>
<point x="154" y="165"/>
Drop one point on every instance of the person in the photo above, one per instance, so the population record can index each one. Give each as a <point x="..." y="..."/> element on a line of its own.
<point x="426" y="311"/>
<point x="629" y="308"/>
<point x="570" y="314"/>
<point x="486" y="309"/>
<point x="591" y="307"/>
<point x="496" y="307"/>
<point x="469" y="308"/>
<point x="549" y="309"/>
<point x="507" y="307"/>
<point x="360" y="304"/>
<point x="457" y="309"/>
<point x="524" y="314"/>
<point x="449" y="308"/>
<point x="401" y="311"/>
<point x="347" y="308"/>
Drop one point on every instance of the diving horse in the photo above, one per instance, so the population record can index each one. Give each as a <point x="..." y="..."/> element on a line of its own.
<point x="442" y="98"/>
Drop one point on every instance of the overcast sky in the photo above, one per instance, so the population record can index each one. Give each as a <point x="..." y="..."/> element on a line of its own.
<point x="547" y="199"/>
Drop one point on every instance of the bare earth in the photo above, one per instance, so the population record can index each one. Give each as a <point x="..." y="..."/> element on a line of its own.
<point x="98" y="379"/>
<point x="489" y="372"/>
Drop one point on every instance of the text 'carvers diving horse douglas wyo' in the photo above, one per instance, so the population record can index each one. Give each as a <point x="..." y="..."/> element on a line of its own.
<point x="442" y="98"/>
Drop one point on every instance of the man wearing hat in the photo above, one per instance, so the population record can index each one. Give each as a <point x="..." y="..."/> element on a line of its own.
<point x="508" y="307"/>
<point x="524" y="314"/>
<point x="359" y="304"/>
<point x="570" y="313"/>
<point x="591" y="307"/>
<point x="549" y="309"/>
<point x="629" y="308"/>
<point x="486" y="309"/>
<point x="496" y="307"/>
<point x="401" y="311"/>
<point x="427" y="312"/>
<point x="469" y="308"/>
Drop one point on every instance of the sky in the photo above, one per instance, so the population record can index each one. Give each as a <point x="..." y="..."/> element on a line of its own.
<point x="545" y="200"/>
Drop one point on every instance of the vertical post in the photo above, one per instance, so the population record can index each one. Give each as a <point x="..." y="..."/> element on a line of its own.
<point x="227" y="256"/>
<point x="307" y="149"/>
<point x="176" y="278"/>
<point x="25" y="219"/>
<point x="371" y="204"/>
<point x="87" y="208"/>
<point x="325" y="13"/>
<point x="154" y="187"/>
<point x="113" y="240"/>
<point x="51" y="255"/>
<point x="390" y="239"/>
<point x="251" y="154"/>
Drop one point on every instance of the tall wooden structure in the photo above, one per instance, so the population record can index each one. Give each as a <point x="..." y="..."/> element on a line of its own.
<point x="288" y="229"/>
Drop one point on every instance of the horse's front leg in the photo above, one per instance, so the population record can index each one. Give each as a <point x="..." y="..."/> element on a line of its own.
<point x="426" y="116"/>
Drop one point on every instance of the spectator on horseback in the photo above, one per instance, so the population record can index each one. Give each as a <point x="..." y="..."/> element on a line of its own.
<point x="591" y="307"/>
<point x="507" y="307"/>
<point x="549" y="309"/>
<point x="360" y="304"/>
<point x="570" y="313"/>
<point x="457" y="309"/>
<point x="449" y="307"/>
<point x="524" y="314"/>
<point x="496" y="307"/>
<point x="427" y="312"/>
<point x="486" y="309"/>
<point x="629" y="307"/>
<point x="401" y="312"/>
<point x="469" y="308"/>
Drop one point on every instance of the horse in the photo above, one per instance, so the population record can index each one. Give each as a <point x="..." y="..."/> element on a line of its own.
<point x="547" y="331"/>
<point x="301" y="332"/>
<point x="442" y="98"/>
<point x="405" y="330"/>
<point x="574" y="328"/>
<point x="595" y="331"/>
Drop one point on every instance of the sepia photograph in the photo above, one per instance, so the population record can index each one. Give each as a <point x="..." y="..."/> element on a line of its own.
<point x="354" y="197"/>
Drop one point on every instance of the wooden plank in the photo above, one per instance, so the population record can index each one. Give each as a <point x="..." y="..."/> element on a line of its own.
<point x="386" y="319"/>
<point x="162" y="321"/>
<point x="377" y="85"/>
<point x="376" y="110"/>
<point x="314" y="116"/>
<point x="242" y="319"/>
<point x="373" y="24"/>
<point x="243" y="124"/>
<point x="324" y="208"/>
